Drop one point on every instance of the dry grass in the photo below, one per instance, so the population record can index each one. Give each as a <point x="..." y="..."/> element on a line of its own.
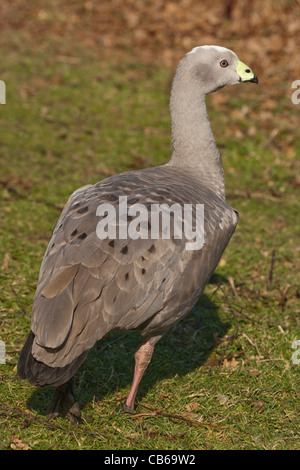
<point x="221" y="379"/>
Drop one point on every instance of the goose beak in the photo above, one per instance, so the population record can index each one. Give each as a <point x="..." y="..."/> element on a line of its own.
<point x="245" y="73"/>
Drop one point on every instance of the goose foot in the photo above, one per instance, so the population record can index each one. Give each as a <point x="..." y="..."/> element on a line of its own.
<point x="64" y="402"/>
<point x="126" y="408"/>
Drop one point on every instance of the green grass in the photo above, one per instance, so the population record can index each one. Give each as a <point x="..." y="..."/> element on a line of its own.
<point x="228" y="363"/>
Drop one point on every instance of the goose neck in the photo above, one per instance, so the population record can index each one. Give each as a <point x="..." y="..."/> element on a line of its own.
<point x="193" y="143"/>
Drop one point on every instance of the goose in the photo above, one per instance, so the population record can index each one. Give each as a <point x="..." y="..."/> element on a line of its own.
<point x="90" y="285"/>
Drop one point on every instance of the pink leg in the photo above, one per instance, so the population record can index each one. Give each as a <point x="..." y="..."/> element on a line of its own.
<point x="142" y="360"/>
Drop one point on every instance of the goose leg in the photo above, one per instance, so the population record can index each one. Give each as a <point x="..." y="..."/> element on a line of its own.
<point x="142" y="359"/>
<point x="64" y="402"/>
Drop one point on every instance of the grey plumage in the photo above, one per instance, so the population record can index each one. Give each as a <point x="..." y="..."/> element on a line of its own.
<point x="88" y="287"/>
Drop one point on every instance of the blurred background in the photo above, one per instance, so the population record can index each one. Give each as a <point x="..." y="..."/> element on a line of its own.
<point x="160" y="30"/>
<point x="266" y="35"/>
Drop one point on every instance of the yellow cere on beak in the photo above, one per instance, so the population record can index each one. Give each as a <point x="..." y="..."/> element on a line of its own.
<point x="245" y="73"/>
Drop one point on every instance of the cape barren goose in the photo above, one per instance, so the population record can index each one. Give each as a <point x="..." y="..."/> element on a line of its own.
<point x="90" y="285"/>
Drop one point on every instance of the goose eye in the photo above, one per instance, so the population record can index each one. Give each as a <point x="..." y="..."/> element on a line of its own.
<point x="224" y="63"/>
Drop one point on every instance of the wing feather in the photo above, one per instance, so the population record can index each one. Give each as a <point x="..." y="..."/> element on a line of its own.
<point x="89" y="286"/>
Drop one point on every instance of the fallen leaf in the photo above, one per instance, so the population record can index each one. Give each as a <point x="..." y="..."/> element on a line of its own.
<point x="191" y="406"/>
<point x="17" y="444"/>
<point x="232" y="364"/>
<point x="254" y="372"/>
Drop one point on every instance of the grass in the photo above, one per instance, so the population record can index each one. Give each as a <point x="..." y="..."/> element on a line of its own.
<point x="221" y="379"/>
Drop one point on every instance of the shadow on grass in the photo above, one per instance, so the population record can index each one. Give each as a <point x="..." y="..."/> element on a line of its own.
<point x="110" y="364"/>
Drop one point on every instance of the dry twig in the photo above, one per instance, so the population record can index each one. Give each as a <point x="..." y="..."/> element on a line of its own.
<point x="154" y="413"/>
<point x="269" y="285"/>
